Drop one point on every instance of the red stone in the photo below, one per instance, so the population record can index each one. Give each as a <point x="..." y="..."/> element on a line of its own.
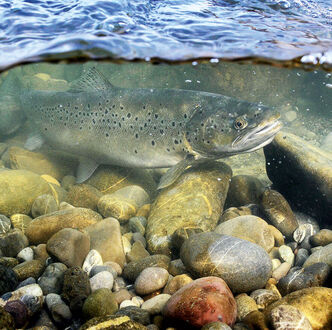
<point x="202" y="301"/>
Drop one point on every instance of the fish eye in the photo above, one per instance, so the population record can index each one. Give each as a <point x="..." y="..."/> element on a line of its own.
<point x="240" y="123"/>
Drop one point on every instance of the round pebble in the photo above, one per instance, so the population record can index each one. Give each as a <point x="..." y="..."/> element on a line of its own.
<point x="92" y="259"/>
<point x="156" y="304"/>
<point x="286" y="254"/>
<point x="150" y="280"/>
<point x="44" y="204"/>
<point x="26" y="254"/>
<point x="127" y="303"/>
<point x="102" y="279"/>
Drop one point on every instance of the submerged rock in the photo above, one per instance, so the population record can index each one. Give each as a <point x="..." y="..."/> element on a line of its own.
<point x="314" y="303"/>
<point x="196" y="199"/>
<point x="51" y="164"/>
<point x="242" y="227"/>
<point x="202" y="301"/>
<point x="83" y="195"/>
<point x="43" y="227"/>
<point x="19" y="189"/>
<point x="302" y="173"/>
<point x="243" y="265"/>
<point x="44" y="204"/>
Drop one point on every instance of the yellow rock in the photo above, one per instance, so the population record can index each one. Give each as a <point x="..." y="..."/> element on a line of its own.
<point x="52" y="165"/>
<point x="50" y="179"/>
<point x="314" y="303"/>
<point x="43" y="227"/>
<point x="20" y="221"/>
<point x="19" y="189"/>
<point x="196" y="199"/>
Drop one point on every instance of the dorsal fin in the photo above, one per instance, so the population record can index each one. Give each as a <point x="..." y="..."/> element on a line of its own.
<point x="91" y="80"/>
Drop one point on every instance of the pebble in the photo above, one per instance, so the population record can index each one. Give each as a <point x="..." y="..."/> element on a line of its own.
<point x="61" y="314"/>
<point x="281" y="271"/>
<point x="278" y="236"/>
<point x="12" y="242"/>
<point x="243" y="190"/>
<point x="241" y="227"/>
<point x="181" y="235"/>
<point x="92" y="259"/>
<point x="99" y="303"/>
<point x="313" y="302"/>
<point x="126" y="245"/>
<point x="76" y="288"/>
<point x="138" y="301"/>
<point x="322" y="255"/>
<point x="301" y="256"/>
<point x="69" y="246"/>
<point x="8" y="279"/>
<point x="101" y="268"/>
<point x="135" y="313"/>
<point x="300" y="278"/>
<point x="244" y="266"/>
<point x="51" y="280"/>
<point x="102" y="279"/>
<point x="42" y="228"/>
<point x="44" y="204"/>
<point x="19" y="312"/>
<point x="189" y="303"/>
<point x="255" y="320"/>
<point x="121" y="295"/>
<point x="234" y="212"/>
<point x="176" y="267"/>
<point x="40" y="252"/>
<point x="105" y="237"/>
<point x="150" y="280"/>
<point x="134" y="268"/>
<point x="83" y="195"/>
<point x="5" y="224"/>
<point x="20" y="221"/>
<point x="119" y="283"/>
<point x="156" y="304"/>
<point x="114" y="268"/>
<point x="27" y="281"/>
<point x="286" y="254"/>
<point x="137" y="224"/>
<point x="275" y="263"/>
<point x="137" y="252"/>
<point x="322" y="238"/>
<point x="123" y="203"/>
<point x="25" y="254"/>
<point x="53" y="299"/>
<point x="33" y="290"/>
<point x="245" y="305"/>
<point x="176" y="283"/>
<point x="278" y="212"/>
<point x="32" y="268"/>
<point x="33" y="303"/>
<point x="285" y="317"/>
<point x="138" y="237"/>
<point x="216" y="326"/>
<point x="303" y="230"/>
<point x="264" y="297"/>
<point x="127" y="303"/>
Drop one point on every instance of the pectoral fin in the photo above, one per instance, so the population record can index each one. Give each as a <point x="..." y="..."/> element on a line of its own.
<point x="175" y="171"/>
<point x="85" y="169"/>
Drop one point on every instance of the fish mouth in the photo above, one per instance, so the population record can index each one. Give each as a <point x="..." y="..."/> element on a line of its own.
<point x="260" y="136"/>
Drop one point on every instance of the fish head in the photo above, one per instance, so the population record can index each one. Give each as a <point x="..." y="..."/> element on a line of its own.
<point x="230" y="130"/>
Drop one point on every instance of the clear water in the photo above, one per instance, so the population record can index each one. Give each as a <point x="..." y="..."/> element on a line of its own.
<point x="170" y="30"/>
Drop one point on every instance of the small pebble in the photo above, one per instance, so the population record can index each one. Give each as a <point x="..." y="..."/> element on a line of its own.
<point x="322" y="238"/>
<point x="121" y="295"/>
<point x="53" y="299"/>
<point x="126" y="245"/>
<point x="301" y="256"/>
<point x="32" y="302"/>
<point x="150" y="280"/>
<point x="5" y="224"/>
<point x="275" y="263"/>
<point x="156" y="304"/>
<point x="92" y="259"/>
<point x="138" y="301"/>
<point x="136" y="314"/>
<point x="264" y="297"/>
<point x="61" y="313"/>
<point x="286" y="254"/>
<point x="102" y="279"/>
<point x="26" y="254"/>
<point x="126" y="303"/>
<point x="27" y="281"/>
<point x="281" y="271"/>
<point x="97" y="269"/>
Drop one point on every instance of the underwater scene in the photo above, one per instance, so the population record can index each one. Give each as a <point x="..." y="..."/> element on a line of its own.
<point x="166" y="165"/>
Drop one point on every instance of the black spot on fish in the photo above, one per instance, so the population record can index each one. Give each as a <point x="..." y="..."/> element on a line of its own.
<point x="153" y="143"/>
<point x="106" y="112"/>
<point x="161" y="131"/>
<point x="128" y="115"/>
<point x="185" y="116"/>
<point x="173" y="123"/>
<point x="156" y="116"/>
<point x="136" y="136"/>
<point x="143" y="106"/>
<point x="121" y="107"/>
<point x="135" y="151"/>
<point x="176" y="141"/>
<point x="107" y="135"/>
<point x="168" y="150"/>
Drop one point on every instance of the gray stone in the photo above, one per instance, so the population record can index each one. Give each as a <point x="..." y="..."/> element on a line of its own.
<point x="301" y="256"/>
<point x="12" y="242"/>
<point x="136" y="314"/>
<point x="156" y="304"/>
<point x="5" y="224"/>
<point x="44" y="204"/>
<point x="243" y="265"/>
<point x="322" y="238"/>
<point x="323" y="255"/>
<point x="51" y="280"/>
<point x="101" y="268"/>
<point x="102" y="279"/>
<point x="69" y="246"/>
<point x="150" y="280"/>
<point x="134" y="268"/>
<point x="137" y="224"/>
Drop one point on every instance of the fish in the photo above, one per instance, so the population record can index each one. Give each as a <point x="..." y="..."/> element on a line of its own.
<point x="145" y="127"/>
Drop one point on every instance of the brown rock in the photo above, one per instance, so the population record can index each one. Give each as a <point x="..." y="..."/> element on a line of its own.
<point x="20" y="221"/>
<point x="83" y="195"/>
<point x="137" y="252"/>
<point x="69" y="246"/>
<point x="245" y="305"/>
<point x="32" y="268"/>
<point x="234" y="212"/>
<point x="105" y="237"/>
<point x="176" y="283"/>
<point x="40" y="253"/>
<point x="43" y="227"/>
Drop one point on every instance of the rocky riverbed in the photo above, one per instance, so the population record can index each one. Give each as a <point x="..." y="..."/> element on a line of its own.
<point x="213" y="251"/>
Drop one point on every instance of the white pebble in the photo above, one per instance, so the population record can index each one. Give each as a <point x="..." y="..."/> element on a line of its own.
<point x="127" y="303"/>
<point x="26" y="254"/>
<point x="138" y="301"/>
<point x="126" y="245"/>
<point x="156" y="304"/>
<point x="92" y="259"/>
<point x="286" y="254"/>
<point x="101" y="280"/>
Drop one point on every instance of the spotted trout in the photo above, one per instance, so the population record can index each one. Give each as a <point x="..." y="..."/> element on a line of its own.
<point x="146" y="128"/>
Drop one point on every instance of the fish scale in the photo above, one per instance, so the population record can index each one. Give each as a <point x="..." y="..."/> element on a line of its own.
<point x="146" y="128"/>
